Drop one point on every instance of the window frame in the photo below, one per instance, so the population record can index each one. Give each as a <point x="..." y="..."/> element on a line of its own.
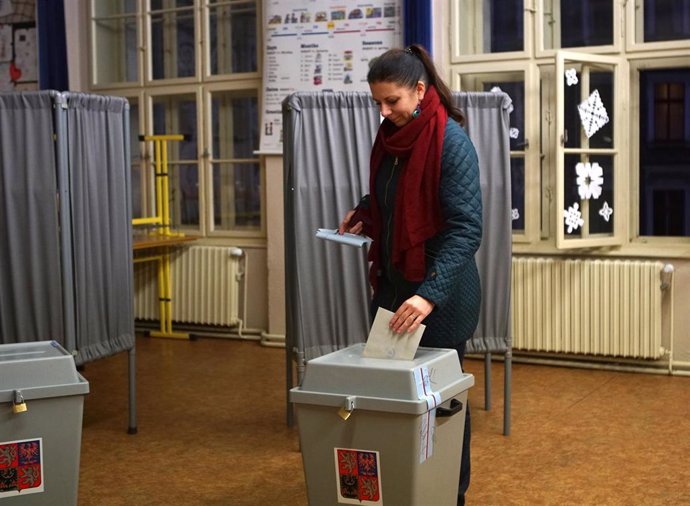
<point x="632" y="45"/>
<point x="634" y="133"/>
<point x="206" y="49"/>
<point x="207" y="161"/>
<point x="149" y="95"/>
<point x="618" y="152"/>
<point x="93" y="63"/>
<point x="530" y="153"/>
<point x="454" y="37"/>
<point x="148" y="79"/>
<point x="146" y="89"/>
<point x="615" y="47"/>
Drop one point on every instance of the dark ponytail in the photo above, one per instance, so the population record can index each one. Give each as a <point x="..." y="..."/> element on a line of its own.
<point x="407" y="66"/>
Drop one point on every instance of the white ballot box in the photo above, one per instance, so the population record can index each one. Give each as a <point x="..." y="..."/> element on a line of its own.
<point x="382" y="431"/>
<point x="41" y="407"/>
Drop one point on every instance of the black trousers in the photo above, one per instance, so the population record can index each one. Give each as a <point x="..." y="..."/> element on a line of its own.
<point x="465" y="456"/>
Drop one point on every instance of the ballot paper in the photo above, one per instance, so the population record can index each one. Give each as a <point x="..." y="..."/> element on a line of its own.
<point x="349" y="239"/>
<point x="384" y="343"/>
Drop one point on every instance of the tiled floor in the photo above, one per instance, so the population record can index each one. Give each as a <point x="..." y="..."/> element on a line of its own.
<point x="212" y="431"/>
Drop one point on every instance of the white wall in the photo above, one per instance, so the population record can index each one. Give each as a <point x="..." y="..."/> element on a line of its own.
<point x="76" y="29"/>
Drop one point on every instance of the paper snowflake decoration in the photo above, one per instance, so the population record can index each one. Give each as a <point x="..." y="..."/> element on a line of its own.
<point x="570" y="77"/>
<point x="573" y="217"/>
<point x="593" y="114"/>
<point x="515" y="214"/>
<point x="496" y="89"/>
<point x="514" y="133"/>
<point x="606" y="211"/>
<point x="590" y="177"/>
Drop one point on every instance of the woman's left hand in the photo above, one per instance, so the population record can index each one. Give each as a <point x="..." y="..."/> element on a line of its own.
<point x="410" y="314"/>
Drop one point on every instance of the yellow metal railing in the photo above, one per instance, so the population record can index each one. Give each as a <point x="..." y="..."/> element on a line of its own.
<point x="163" y="236"/>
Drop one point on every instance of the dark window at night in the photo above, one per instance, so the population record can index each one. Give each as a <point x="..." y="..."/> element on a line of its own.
<point x="666" y="20"/>
<point x="506" y="26"/>
<point x="586" y="23"/>
<point x="669" y="112"/>
<point x="665" y="152"/>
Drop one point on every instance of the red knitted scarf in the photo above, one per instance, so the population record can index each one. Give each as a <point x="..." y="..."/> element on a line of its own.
<point x="417" y="216"/>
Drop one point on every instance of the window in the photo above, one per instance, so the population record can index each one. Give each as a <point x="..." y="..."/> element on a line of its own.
<point x="235" y="170"/>
<point x="177" y="114"/>
<point x="195" y="75"/>
<point x="664" y="152"/>
<point x="669" y="112"/>
<point x="138" y="184"/>
<point x="488" y="27"/>
<point x="172" y="39"/>
<point x="658" y="24"/>
<point x="588" y="157"/>
<point x="621" y="186"/>
<point x="583" y="23"/>
<point x="116" y="40"/>
<point x="662" y="20"/>
<point x="513" y="84"/>
<point x="232" y="24"/>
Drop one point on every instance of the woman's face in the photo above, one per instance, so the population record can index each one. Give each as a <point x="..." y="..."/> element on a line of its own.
<point x="397" y="103"/>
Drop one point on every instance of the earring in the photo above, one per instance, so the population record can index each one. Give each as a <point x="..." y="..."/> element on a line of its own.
<point x="417" y="111"/>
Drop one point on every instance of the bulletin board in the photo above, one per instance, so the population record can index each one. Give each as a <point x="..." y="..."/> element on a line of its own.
<point x="320" y="45"/>
<point x="18" y="46"/>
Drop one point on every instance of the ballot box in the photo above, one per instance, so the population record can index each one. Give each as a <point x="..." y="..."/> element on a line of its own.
<point x="382" y="431"/>
<point x="41" y="407"/>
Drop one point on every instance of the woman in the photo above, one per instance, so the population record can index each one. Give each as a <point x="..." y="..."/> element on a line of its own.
<point x="424" y="209"/>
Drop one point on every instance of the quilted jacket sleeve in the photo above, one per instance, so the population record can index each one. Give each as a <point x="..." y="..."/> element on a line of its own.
<point x="451" y="253"/>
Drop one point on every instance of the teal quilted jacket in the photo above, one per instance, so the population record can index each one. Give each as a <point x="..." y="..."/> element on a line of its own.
<point x="452" y="280"/>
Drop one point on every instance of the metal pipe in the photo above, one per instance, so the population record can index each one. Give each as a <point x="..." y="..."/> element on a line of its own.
<point x="598" y="366"/>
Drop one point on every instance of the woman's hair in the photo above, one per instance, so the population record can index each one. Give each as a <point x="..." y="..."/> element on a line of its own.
<point x="406" y="67"/>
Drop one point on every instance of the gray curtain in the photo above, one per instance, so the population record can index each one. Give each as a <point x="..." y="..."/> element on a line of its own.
<point x="327" y="141"/>
<point x="101" y="223"/>
<point x="30" y="282"/>
<point x="488" y="125"/>
<point x="66" y="253"/>
<point x="327" y="138"/>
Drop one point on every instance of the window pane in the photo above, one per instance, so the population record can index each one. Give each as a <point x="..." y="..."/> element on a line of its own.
<point x="588" y="190"/>
<point x="177" y="115"/>
<point x="115" y="43"/>
<point x="233" y="37"/>
<point x="490" y="26"/>
<point x="236" y="196"/>
<point x="511" y="83"/>
<point x="662" y="20"/>
<point x="172" y="39"/>
<point x="587" y="107"/>
<point x="236" y="176"/>
<point x="516" y="91"/>
<point x="135" y="159"/>
<point x="184" y="194"/>
<point x="665" y="152"/>
<point x="517" y="191"/>
<point x="577" y="24"/>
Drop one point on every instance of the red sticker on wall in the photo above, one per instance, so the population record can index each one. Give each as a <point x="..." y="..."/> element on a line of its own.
<point x="21" y="467"/>
<point x="358" y="474"/>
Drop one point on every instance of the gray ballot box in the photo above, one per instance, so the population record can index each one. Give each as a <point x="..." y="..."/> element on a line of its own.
<point x="382" y="431"/>
<point x="41" y="407"/>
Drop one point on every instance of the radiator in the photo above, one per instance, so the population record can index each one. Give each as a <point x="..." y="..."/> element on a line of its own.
<point x="595" y="307"/>
<point x="205" y="286"/>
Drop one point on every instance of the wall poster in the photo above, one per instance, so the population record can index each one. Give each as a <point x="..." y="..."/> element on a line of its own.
<point x="319" y="45"/>
<point x="18" y="46"/>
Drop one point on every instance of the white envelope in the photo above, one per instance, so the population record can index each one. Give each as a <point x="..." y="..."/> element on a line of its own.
<point x="384" y="343"/>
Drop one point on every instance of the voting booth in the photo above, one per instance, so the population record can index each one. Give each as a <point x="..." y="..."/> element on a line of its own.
<point x="379" y="429"/>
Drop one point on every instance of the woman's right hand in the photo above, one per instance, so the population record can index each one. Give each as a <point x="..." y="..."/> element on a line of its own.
<point x="345" y="225"/>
